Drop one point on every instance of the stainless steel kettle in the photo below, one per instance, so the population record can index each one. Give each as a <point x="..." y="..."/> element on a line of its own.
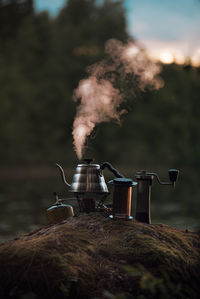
<point x="88" y="177"/>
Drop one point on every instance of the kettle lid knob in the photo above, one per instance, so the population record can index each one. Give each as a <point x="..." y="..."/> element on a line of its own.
<point x="88" y="160"/>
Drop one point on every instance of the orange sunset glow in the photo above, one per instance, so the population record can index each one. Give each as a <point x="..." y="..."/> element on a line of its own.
<point x="168" y="56"/>
<point x="168" y="53"/>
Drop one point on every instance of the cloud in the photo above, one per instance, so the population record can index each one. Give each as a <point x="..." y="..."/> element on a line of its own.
<point x="166" y="22"/>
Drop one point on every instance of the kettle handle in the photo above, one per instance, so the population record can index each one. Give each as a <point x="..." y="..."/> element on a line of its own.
<point x="112" y="169"/>
<point x="63" y="175"/>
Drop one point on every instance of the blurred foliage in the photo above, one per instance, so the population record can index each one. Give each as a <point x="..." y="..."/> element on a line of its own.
<point x="42" y="60"/>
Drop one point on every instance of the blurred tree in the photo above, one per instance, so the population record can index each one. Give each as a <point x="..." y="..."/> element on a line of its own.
<point x="82" y="30"/>
<point x="42" y="60"/>
<point x="12" y="13"/>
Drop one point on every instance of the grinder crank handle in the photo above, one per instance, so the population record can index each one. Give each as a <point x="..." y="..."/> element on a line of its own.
<point x="173" y="176"/>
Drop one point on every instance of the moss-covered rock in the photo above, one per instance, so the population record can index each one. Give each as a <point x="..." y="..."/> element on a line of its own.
<point x="92" y="256"/>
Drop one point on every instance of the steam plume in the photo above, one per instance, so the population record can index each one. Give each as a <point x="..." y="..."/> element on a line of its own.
<point x="99" y="98"/>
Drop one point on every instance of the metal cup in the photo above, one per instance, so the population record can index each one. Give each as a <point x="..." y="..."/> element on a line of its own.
<point x="122" y="196"/>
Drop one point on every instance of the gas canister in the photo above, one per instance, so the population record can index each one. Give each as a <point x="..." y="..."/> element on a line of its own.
<point x="59" y="211"/>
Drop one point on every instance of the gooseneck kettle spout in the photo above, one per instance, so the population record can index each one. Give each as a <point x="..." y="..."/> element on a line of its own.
<point x="63" y="175"/>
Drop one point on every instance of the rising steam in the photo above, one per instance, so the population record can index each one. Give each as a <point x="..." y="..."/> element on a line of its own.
<point x="100" y="99"/>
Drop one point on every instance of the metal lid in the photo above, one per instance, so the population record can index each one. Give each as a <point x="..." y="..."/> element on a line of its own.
<point x="122" y="182"/>
<point x="88" y="163"/>
<point x="144" y="175"/>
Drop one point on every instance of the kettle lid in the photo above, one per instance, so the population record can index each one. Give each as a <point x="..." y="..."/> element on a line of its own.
<point x="88" y="163"/>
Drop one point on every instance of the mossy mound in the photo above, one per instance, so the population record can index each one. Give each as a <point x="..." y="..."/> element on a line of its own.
<point x="91" y="256"/>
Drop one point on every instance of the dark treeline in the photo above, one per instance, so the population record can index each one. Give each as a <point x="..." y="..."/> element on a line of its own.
<point x="42" y="60"/>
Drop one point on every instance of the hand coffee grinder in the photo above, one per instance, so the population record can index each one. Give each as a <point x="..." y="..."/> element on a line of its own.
<point x="145" y="179"/>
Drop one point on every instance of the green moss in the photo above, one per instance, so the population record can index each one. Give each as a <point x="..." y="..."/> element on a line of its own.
<point x="84" y="256"/>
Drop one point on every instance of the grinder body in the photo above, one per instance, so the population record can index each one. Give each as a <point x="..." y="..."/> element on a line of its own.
<point x="142" y="209"/>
